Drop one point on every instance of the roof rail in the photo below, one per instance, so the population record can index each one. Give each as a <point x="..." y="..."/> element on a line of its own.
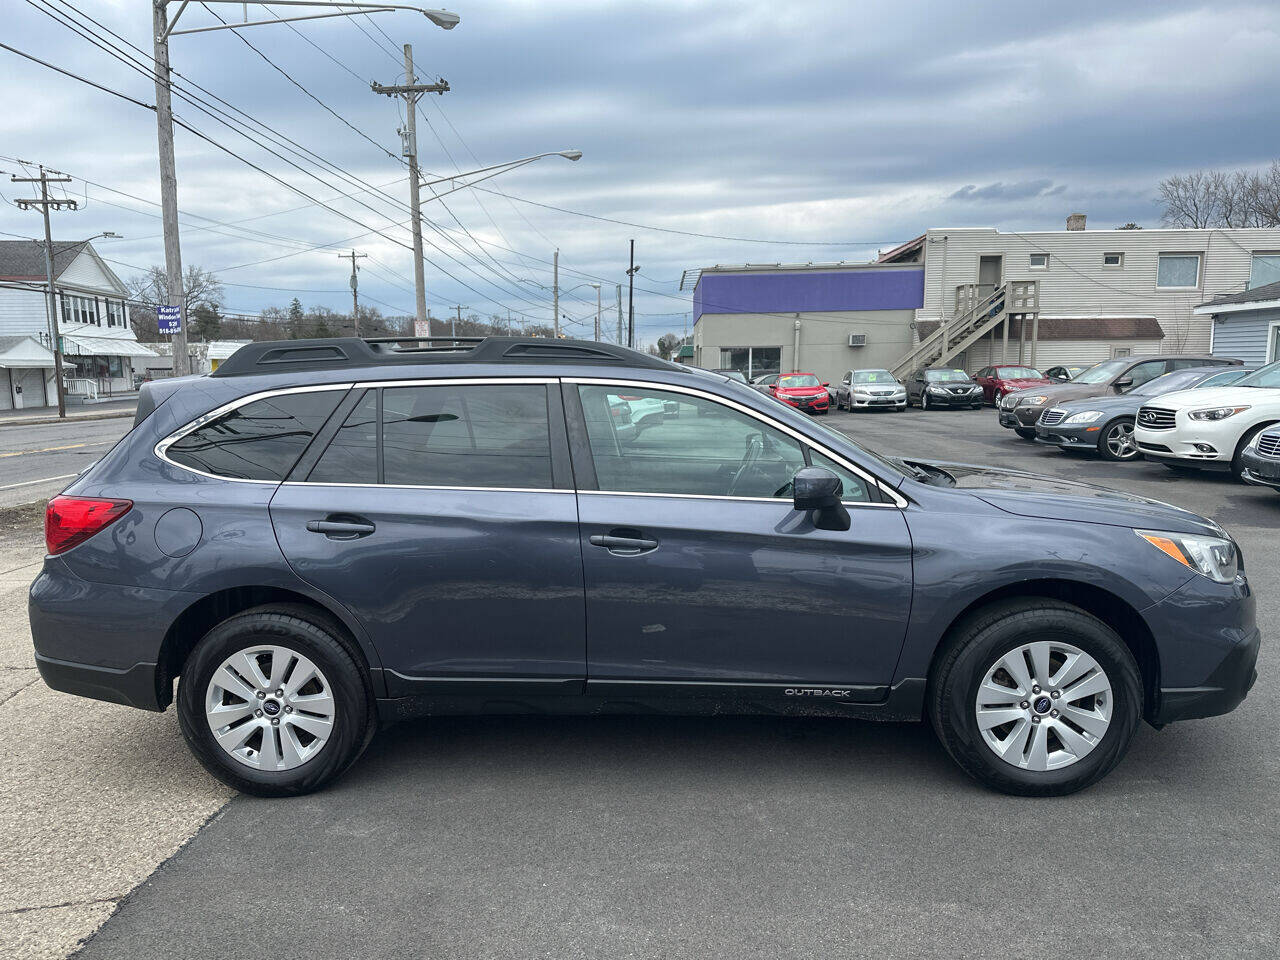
<point x="339" y="353"/>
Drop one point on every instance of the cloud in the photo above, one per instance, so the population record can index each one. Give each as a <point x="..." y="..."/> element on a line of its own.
<point x="1000" y="191"/>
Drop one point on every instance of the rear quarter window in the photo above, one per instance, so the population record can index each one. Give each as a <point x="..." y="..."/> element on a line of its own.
<point x="260" y="440"/>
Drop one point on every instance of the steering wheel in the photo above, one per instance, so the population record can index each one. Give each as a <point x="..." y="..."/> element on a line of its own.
<point x="755" y="450"/>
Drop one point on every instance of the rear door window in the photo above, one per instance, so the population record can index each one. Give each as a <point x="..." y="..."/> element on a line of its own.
<point x="450" y="435"/>
<point x="260" y="440"/>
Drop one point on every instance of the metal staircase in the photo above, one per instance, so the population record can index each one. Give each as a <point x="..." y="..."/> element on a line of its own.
<point x="978" y="311"/>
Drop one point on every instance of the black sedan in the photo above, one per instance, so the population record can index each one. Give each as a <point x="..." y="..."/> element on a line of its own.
<point x="1105" y="424"/>
<point x="934" y="387"/>
<point x="1261" y="459"/>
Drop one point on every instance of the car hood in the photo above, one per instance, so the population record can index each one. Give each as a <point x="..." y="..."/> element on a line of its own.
<point x="1050" y="498"/>
<point x="1023" y="383"/>
<point x="802" y="391"/>
<point x="1121" y="403"/>
<point x="1217" y="397"/>
<point x="1062" y="392"/>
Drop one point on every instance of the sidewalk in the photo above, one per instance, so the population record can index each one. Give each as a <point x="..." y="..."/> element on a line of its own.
<point x="96" y="411"/>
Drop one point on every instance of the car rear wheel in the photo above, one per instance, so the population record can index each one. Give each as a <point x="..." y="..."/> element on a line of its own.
<point x="1116" y="442"/>
<point x="1035" y="697"/>
<point x="272" y="703"/>
<point x="1026" y="433"/>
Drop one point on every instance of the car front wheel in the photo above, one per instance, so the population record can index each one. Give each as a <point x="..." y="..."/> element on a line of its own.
<point x="272" y="703"/>
<point x="1035" y="697"/>
<point x="1116" y="441"/>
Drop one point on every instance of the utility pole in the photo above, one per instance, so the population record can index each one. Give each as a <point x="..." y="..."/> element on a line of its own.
<point x="453" y="323"/>
<point x="412" y="91"/>
<point x="597" y="333"/>
<point x="355" y="287"/>
<point x="631" y="298"/>
<point x="44" y="203"/>
<point x="174" y="296"/>
<point x="555" y="294"/>
<point x="619" y="314"/>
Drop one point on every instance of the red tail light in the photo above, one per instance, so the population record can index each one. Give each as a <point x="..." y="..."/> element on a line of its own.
<point x="70" y="521"/>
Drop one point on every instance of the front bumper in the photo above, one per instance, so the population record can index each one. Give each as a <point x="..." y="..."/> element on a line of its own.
<point x="1069" y="438"/>
<point x="1259" y="470"/>
<point x="1204" y="444"/>
<point x="1023" y="417"/>
<point x="808" y="404"/>
<point x="891" y="402"/>
<point x="1207" y="640"/>
<point x="956" y="400"/>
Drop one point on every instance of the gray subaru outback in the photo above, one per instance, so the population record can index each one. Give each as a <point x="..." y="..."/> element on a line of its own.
<point x="327" y="536"/>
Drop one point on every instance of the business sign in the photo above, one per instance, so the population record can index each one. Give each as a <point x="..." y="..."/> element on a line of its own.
<point x="170" y="319"/>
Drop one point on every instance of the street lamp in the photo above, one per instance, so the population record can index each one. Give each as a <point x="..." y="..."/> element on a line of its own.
<point x="498" y="169"/>
<point x="163" y="28"/>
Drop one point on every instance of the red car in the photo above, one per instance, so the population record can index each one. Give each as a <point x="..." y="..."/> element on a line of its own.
<point x="1007" y="378"/>
<point x="803" y="391"/>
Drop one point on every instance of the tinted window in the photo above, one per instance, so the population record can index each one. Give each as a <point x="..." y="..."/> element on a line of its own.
<point x="258" y="441"/>
<point x="1223" y="379"/>
<point x="1101" y="372"/>
<point x="1146" y="371"/>
<point x="945" y="376"/>
<point x="352" y="454"/>
<point x="1268" y="376"/>
<point x="476" y="435"/>
<point x="855" y="487"/>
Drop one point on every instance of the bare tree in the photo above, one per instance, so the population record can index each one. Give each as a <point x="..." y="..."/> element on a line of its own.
<point x="148" y="290"/>
<point x="1218" y="198"/>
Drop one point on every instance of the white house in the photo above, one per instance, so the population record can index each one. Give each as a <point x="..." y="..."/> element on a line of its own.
<point x="93" y="321"/>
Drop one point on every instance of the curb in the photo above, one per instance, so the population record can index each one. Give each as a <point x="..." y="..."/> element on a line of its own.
<point x="74" y="418"/>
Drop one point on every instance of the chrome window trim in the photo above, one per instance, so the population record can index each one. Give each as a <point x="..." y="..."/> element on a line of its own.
<point x="162" y="447"/>
<point x="898" y="500"/>
<point x="423" y="486"/>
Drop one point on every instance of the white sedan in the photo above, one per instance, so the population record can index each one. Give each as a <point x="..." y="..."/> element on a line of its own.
<point x="1209" y="428"/>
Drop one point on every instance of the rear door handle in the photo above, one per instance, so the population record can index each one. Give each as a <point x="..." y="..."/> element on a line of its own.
<point x="341" y="529"/>
<point x="624" y="546"/>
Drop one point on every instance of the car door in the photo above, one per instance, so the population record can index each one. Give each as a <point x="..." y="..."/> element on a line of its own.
<point x="984" y="379"/>
<point x="442" y="515"/>
<point x="1140" y="373"/>
<point x="699" y="571"/>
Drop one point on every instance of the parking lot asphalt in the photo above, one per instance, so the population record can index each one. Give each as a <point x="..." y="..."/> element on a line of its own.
<point x="745" y="837"/>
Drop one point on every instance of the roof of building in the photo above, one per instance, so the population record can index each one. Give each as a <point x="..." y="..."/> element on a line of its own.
<point x="1270" y="291"/>
<point x="1075" y="328"/>
<point x="685" y="351"/>
<point x="905" y="252"/>
<point x="24" y="259"/>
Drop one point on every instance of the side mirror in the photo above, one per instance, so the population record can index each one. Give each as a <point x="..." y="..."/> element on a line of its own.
<point x="819" y="490"/>
<point x="826" y="383"/>
<point x="773" y="386"/>
<point x="1124" y="383"/>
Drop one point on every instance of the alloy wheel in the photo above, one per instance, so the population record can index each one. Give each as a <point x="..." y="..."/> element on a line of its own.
<point x="1119" y="441"/>
<point x="270" y="707"/>
<point x="1044" y="705"/>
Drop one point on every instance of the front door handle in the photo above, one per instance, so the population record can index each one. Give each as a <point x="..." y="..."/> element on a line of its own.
<point x="341" y="529"/>
<point x="621" y="546"/>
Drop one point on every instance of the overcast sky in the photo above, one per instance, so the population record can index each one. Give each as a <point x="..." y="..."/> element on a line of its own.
<point x="841" y="127"/>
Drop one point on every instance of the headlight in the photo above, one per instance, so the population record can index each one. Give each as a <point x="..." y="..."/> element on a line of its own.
<point x="1034" y="401"/>
<point x="937" y="390"/>
<point x="1215" y="557"/>
<point x="1216" y="413"/>
<point x="1087" y="416"/>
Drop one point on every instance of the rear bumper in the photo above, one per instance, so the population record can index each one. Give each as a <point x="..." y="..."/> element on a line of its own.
<point x="133" y="686"/>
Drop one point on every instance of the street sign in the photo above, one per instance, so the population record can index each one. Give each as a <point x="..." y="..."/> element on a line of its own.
<point x="170" y="318"/>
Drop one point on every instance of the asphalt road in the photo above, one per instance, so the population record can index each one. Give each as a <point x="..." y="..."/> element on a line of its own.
<point x="658" y="837"/>
<point x="38" y="460"/>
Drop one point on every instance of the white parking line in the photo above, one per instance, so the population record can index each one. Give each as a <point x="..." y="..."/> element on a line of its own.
<point x="27" y="483"/>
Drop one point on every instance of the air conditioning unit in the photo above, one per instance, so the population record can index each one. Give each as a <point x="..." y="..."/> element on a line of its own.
<point x="857" y="339"/>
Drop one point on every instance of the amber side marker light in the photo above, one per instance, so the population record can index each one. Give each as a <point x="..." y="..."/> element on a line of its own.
<point x="70" y="521"/>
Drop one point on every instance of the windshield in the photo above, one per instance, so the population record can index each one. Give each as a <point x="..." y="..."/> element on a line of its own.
<point x="945" y="376"/>
<point x="1101" y="372"/>
<point x="1018" y="373"/>
<point x="894" y="468"/>
<point x="800" y="380"/>
<point x="1178" y="380"/>
<point x="1268" y="376"/>
<point x="873" y="376"/>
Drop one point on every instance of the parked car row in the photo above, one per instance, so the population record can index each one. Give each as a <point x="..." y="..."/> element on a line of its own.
<point x="1187" y="412"/>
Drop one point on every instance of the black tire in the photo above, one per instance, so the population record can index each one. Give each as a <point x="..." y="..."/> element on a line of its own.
<point x="924" y="402"/>
<point x="1026" y="433"/>
<point x="996" y="397"/>
<point x="1237" y="465"/>
<point x="311" y="634"/>
<point x="1106" y="435"/>
<point x="979" y="642"/>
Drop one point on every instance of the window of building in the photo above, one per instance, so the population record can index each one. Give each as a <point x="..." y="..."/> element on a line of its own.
<point x="115" y="313"/>
<point x="467" y="436"/>
<point x="1265" y="268"/>
<point x="656" y="441"/>
<point x="1113" y="259"/>
<point x="77" y="309"/>
<point x="1039" y="261"/>
<point x="752" y="361"/>
<point x="1178" y="271"/>
<point x="258" y="441"/>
